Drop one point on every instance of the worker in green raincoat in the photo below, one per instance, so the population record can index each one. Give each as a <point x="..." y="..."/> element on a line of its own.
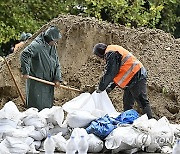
<point x="40" y="59"/>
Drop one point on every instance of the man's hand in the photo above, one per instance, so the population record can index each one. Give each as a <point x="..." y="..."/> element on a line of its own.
<point x="98" y="91"/>
<point x="108" y="90"/>
<point x="57" y="84"/>
<point x="25" y="76"/>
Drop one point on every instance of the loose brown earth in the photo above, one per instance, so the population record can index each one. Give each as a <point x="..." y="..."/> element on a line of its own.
<point x="157" y="50"/>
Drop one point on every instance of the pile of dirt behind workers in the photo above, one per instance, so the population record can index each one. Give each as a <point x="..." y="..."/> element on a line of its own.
<point x="157" y="50"/>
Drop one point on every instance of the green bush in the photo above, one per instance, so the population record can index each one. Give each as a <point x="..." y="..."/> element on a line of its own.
<point x="29" y="15"/>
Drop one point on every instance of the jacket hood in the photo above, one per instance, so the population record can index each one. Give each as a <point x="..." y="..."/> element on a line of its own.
<point x="52" y="33"/>
<point x="24" y="36"/>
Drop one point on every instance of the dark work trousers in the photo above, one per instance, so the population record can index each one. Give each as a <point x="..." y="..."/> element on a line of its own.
<point x="138" y="93"/>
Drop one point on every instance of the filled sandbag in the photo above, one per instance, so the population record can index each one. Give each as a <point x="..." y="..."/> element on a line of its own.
<point x="79" y="118"/>
<point x="35" y="120"/>
<point x="4" y="149"/>
<point x="60" y="142"/>
<point x="17" y="145"/>
<point x="98" y="104"/>
<point x="54" y="115"/>
<point x="95" y="143"/>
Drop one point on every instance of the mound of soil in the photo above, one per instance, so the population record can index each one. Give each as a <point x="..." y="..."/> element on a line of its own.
<point x="157" y="50"/>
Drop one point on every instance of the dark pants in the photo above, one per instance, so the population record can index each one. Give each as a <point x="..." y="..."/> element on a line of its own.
<point x="137" y="93"/>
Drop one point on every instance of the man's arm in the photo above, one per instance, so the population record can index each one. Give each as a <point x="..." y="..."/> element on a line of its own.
<point x="57" y="75"/>
<point x="113" y="61"/>
<point x="25" y="62"/>
<point x="25" y="59"/>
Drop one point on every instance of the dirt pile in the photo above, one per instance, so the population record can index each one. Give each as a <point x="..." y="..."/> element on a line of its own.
<point x="157" y="50"/>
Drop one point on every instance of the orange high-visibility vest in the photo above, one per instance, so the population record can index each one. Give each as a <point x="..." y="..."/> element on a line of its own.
<point x="129" y="65"/>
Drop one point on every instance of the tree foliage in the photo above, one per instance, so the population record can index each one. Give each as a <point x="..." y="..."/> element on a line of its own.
<point x="29" y="15"/>
<point x="25" y="15"/>
<point x="163" y="14"/>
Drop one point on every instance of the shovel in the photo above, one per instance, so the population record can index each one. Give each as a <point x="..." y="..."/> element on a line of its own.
<point x="18" y="89"/>
<point x="53" y="84"/>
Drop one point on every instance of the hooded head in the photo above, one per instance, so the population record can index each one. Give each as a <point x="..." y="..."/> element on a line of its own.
<point x="52" y="34"/>
<point x="24" y="36"/>
<point x="99" y="49"/>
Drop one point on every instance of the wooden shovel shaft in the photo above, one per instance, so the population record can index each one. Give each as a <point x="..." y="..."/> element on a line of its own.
<point x="52" y="83"/>
<point x="19" y="91"/>
<point x="41" y="80"/>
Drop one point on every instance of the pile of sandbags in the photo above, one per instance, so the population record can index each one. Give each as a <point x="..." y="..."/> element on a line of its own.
<point x="92" y="124"/>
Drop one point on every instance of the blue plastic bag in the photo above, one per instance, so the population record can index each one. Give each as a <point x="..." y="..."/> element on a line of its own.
<point x="127" y="117"/>
<point x="102" y="127"/>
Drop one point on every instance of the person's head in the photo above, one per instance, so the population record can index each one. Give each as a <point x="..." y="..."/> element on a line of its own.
<point x="99" y="49"/>
<point x="52" y="35"/>
<point x="24" y="36"/>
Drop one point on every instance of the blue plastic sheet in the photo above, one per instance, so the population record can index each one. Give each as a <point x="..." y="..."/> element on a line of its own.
<point x="102" y="127"/>
<point x="127" y="117"/>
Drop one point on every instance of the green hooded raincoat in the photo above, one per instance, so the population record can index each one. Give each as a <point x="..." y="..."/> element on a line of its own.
<point x="40" y="60"/>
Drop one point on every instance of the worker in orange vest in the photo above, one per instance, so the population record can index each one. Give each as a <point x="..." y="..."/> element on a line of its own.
<point x="124" y="70"/>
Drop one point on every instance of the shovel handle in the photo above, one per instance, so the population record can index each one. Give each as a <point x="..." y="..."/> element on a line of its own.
<point x="16" y="85"/>
<point x="53" y="84"/>
<point x="41" y="80"/>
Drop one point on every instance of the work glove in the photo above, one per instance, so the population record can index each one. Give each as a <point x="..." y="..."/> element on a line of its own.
<point x="98" y="90"/>
<point x="57" y="84"/>
<point x="110" y="87"/>
<point x="108" y="90"/>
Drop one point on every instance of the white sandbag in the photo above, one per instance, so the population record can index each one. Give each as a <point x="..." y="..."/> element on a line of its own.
<point x="48" y="114"/>
<point x="60" y="142"/>
<point x="98" y="113"/>
<point x="10" y="111"/>
<point x="7" y="125"/>
<point x="21" y="132"/>
<point x="30" y="111"/>
<point x="4" y="149"/>
<point x="125" y="148"/>
<point x="32" y="149"/>
<point x="114" y="141"/>
<point x="153" y="147"/>
<point x="175" y="129"/>
<point x="95" y="144"/>
<point x="58" y="129"/>
<point x="39" y="135"/>
<point x="79" y="118"/>
<point x="9" y="117"/>
<point x="127" y="135"/>
<point x="59" y="115"/>
<point x="83" y="102"/>
<point x="97" y="104"/>
<point x="166" y="149"/>
<point x="162" y="132"/>
<point x="37" y="144"/>
<point x="16" y="145"/>
<point x="103" y="102"/>
<point x="55" y="115"/>
<point x="144" y="124"/>
<point x="29" y="140"/>
<point x="8" y="122"/>
<point x="35" y="120"/>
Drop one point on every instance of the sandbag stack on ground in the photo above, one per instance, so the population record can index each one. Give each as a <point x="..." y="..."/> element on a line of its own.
<point x="23" y="132"/>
